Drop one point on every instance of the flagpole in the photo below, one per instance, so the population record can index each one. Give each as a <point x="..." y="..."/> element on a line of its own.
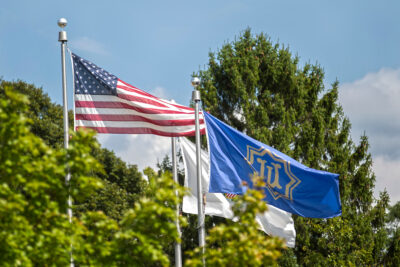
<point x="178" y="253"/>
<point x="62" y="37"/>
<point x="200" y="206"/>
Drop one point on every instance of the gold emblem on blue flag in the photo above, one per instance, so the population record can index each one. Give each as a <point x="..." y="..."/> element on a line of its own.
<point x="236" y="157"/>
<point x="277" y="174"/>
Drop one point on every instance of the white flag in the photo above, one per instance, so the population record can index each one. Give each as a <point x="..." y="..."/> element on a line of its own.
<point x="275" y="222"/>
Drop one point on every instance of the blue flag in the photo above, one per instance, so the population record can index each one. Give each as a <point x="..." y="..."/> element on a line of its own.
<point x="291" y="186"/>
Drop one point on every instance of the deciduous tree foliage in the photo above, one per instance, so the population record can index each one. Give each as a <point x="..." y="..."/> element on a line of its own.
<point x="240" y="243"/>
<point x="123" y="183"/>
<point x="34" y="228"/>
<point x="46" y="117"/>
<point x="190" y="233"/>
<point x="143" y="233"/>
<point x="259" y="88"/>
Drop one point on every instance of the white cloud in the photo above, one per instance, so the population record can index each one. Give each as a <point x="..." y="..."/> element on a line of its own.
<point x="88" y="45"/>
<point x="387" y="173"/>
<point x="159" y="92"/>
<point x="142" y="150"/>
<point x="373" y="106"/>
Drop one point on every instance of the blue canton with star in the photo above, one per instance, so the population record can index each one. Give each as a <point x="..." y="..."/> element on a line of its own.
<point x="92" y="80"/>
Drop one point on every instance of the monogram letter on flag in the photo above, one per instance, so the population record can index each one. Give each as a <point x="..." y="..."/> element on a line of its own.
<point x="107" y="104"/>
<point x="290" y="186"/>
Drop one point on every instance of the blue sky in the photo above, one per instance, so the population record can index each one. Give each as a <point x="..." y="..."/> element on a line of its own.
<point x="157" y="45"/>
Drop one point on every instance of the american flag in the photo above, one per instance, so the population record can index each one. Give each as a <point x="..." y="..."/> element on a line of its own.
<point x="107" y="104"/>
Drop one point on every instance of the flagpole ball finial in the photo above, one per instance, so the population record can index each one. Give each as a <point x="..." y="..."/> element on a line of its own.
<point x="62" y="35"/>
<point x="62" y="22"/>
<point x="195" y="81"/>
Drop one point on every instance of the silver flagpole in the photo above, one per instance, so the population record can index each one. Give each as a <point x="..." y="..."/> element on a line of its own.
<point x="200" y="205"/>
<point x="62" y="37"/>
<point x="178" y="253"/>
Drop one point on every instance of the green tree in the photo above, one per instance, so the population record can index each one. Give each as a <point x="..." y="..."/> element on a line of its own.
<point x="141" y="237"/>
<point x="393" y="216"/>
<point x="240" y="243"/>
<point x="259" y="88"/>
<point x="123" y="183"/>
<point x="392" y="257"/>
<point x="46" y="117"/>
<point x="35" y="230"/>
<point x="190" y="234"/>
<point x="225" y="236"/>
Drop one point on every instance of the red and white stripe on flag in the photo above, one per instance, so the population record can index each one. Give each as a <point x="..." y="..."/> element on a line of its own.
<point x="133" y="111"/>
<point x="230" y="196"/>
<point x="106" y="104"/>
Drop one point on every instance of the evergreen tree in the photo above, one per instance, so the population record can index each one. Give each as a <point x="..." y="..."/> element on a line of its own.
<point x="392" y="257"/>
<point x="259" y="88"/>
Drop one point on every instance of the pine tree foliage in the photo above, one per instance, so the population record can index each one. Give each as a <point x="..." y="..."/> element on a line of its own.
<point x="259" y="88"/>
<point x="392" y="257"/>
